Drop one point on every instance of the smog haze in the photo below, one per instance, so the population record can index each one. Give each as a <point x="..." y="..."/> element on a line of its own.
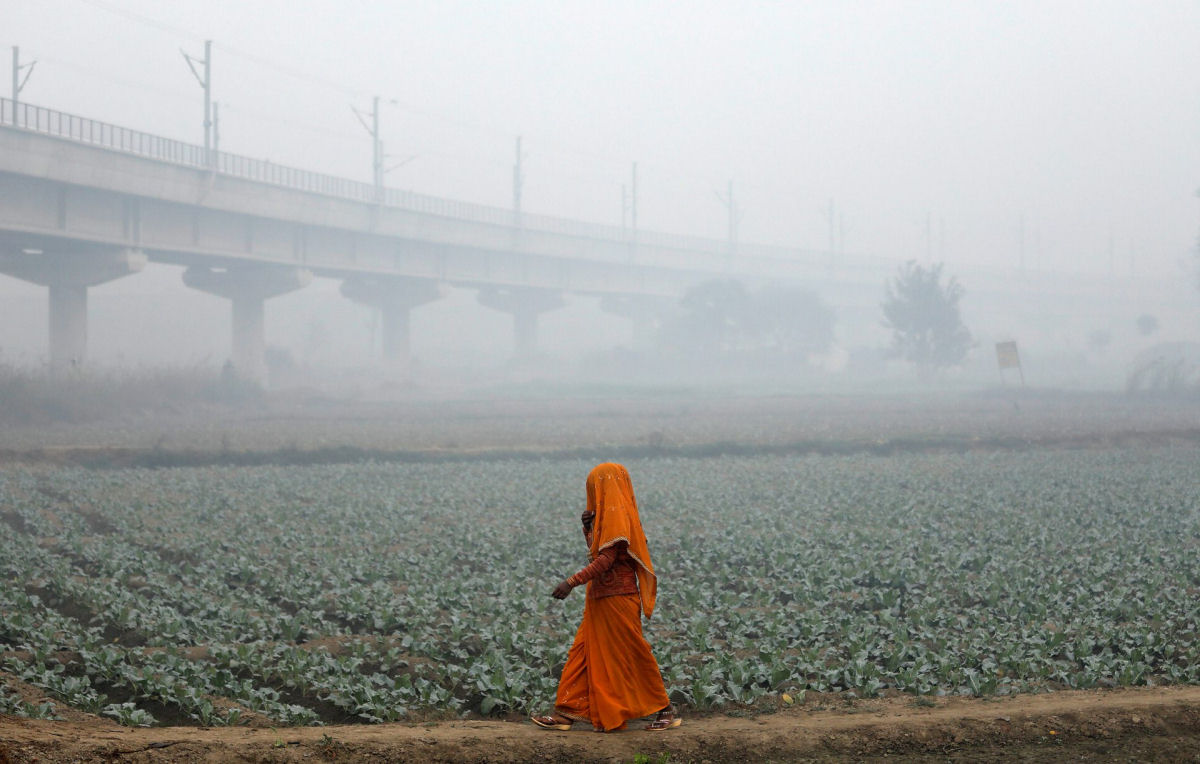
<point x="1021" y="144"/>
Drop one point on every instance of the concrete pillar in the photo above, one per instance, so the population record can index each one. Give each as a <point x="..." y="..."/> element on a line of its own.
<point x="525" y="304"/>
<point x="68" y="276"/>
<point x="644" y="313"/>
<point x="525" y="325"/>
<point x="397" y="333"/>
<point x="68" y="324"/>
<point x="248" y="287"/>
<point x="249" y="336"/>
<point x="395" y="298"/>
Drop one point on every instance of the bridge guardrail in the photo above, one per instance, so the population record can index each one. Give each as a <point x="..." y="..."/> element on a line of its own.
<point x="86" y="130"/>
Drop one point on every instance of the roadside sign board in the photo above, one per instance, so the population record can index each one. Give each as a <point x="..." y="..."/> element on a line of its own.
<point x="1008" y="358"/>
<point x="1006" y="355"/>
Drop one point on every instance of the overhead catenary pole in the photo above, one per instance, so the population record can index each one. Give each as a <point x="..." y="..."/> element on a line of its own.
<point x="1021" y="241"/>
<point x="633" y="203"/>
<point x="1112" y="253"/>
<point x="832" y="235"/>
<point x="208" y="120"/>
<point x="734" y="215"/>
<point x="377" y="146"/>
<point x="929" y="236"/>
<point x="18" y="82"/>
<point x="205" y="81"/>
<point x="372" y="127"/>
<point x="732" y="221"/>
<point x="518" y="184"/>
<point x="624" y="209"/>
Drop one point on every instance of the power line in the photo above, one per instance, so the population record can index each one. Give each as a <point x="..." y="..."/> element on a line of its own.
<point x="310" y="78"/>
<point x="305" y="77"/>
<point x="540" y="143"/>
<point x="144" y="86"/>
<point x="544" y="141"/>
<point x="139" y="18"/>
<point x="299" y="125"/>
<point x="88" y="70"/>
<point x="236" y="107"/>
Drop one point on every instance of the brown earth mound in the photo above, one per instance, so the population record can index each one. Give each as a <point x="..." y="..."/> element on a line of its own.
<point x="1151" y="724"/>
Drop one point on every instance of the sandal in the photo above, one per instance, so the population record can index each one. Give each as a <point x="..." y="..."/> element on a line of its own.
<point x="550" y="722"/>
<point x="664" y="720"/>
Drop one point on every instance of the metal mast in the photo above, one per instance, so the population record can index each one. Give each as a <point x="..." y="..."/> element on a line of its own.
<point x="518" y="184"/>
<point x="18" y="82"/>
<point x="205" y="81"/>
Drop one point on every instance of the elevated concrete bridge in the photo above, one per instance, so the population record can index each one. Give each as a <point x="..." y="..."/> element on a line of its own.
<point x="83" y="202"/>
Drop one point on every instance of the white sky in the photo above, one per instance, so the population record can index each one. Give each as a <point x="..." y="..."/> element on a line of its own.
<point x="938" y="129"/>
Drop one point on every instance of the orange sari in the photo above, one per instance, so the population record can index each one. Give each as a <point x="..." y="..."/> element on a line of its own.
<point x="611" y="676"/>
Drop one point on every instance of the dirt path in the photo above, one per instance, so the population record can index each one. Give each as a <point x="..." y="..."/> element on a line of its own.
<point x="1126" y="725"/>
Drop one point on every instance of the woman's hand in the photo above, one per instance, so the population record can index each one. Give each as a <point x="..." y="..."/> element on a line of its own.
<point x="586" y="518"/>
<point x="561" y="591"/>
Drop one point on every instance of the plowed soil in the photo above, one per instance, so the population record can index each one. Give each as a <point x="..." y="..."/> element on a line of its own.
<point x="1149" y="724"/>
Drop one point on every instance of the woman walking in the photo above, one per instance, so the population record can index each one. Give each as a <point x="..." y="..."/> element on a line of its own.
<point x="611" y="676"/>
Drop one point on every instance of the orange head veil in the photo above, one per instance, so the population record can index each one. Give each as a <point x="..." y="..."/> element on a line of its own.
<point x="610" y="496"/>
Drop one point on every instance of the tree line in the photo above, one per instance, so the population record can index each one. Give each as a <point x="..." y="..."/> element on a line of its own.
<point x="722" y="317"/>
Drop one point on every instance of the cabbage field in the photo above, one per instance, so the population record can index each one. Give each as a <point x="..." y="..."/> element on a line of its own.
<point x="378" y="592"/>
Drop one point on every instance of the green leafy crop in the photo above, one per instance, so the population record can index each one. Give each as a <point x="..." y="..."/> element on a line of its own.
<point x="373" y="593"/>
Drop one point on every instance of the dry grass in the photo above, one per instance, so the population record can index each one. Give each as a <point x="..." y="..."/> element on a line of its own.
<point x="34" y="397"/>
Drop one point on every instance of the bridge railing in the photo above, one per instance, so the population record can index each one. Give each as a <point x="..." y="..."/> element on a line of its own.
<point x="85" y="130"/>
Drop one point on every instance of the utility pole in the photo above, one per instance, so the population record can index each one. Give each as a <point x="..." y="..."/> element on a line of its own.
<point x="372" y="128"/>
<point x="206" y="83"/>
<point x="18" y="82"/>
<point x="518" y="183"/>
